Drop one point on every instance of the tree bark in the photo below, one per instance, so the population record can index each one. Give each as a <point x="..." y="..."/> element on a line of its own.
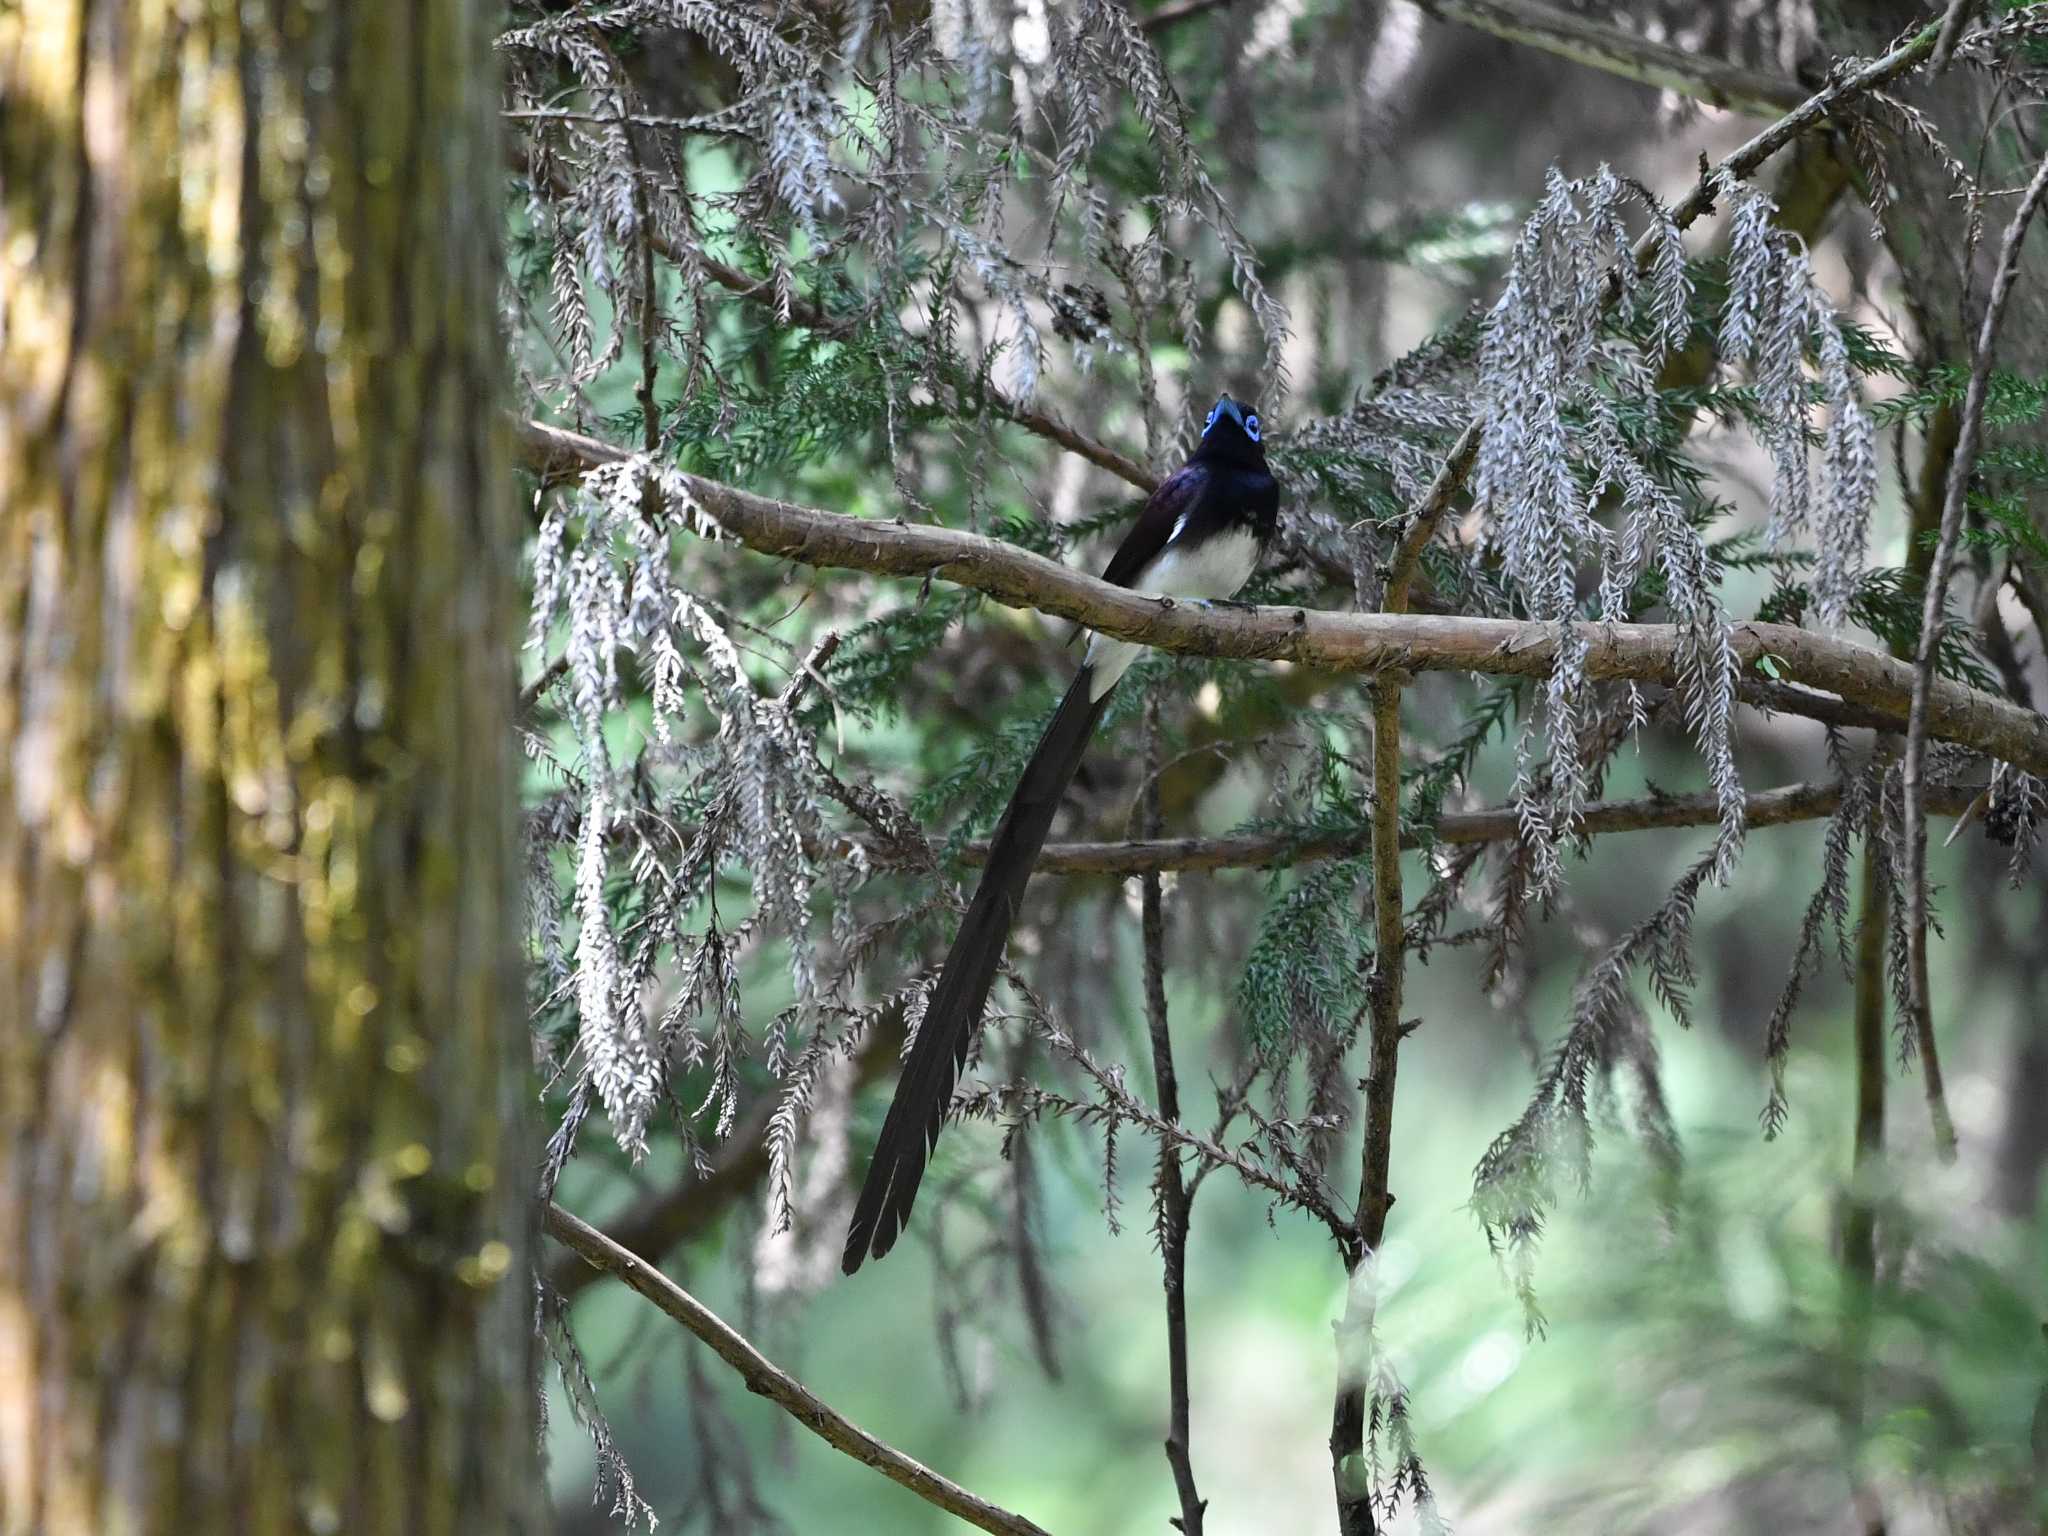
<point x="264" y="1221"/>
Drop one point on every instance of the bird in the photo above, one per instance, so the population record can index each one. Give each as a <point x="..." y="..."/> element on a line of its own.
<point x="1200" y="535"/>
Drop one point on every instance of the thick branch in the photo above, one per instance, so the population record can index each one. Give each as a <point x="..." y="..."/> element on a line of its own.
<point x="765" y="1378"/>
<point x="1932" y="610"/>
<point x="1617" y="52"/>
<point x="1336" y="642"/>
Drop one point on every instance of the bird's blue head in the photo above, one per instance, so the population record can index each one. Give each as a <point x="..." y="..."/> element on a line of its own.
<point x="1232" y="434"/>
<point x="1243" y="417"/>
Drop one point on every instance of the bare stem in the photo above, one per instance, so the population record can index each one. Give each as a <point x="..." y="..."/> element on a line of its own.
<point x="1859" y="1227"/>
<point x="1375" y="1197"/>
<point x="1969" y="433"/>
<point x="1858" y="1246"/>
<point x="1171" y="1186"/>
<point x="766" y="1379"/>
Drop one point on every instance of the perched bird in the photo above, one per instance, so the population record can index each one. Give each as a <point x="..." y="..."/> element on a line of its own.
<point x="1201" y="535"/>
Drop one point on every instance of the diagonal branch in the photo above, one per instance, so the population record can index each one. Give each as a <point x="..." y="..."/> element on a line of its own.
<point x="768" y="1380"/>
<point x="1335" y="642"/>
<point x="1601" y="46"/>
<point x="1933" y="607"/>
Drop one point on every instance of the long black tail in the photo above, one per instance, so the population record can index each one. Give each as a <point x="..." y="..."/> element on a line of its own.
<point x="926" y="1087"/>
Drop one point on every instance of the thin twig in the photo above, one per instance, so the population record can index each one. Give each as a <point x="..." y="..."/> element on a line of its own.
<point x="1120" y="1104"/>
<point x="1931" y="612"/>
<point x="1629" y="55"/>
<point x="1169" y="1183"/>
<point x="650" y="300"/>
<point x="816" y="318"/>
<point x="1501" y="824"/>
<point x="763" y="1377"/>
<point x="719" y="124"/>
<point x="1032" y="418"/>
<point x="1283" y="850"/>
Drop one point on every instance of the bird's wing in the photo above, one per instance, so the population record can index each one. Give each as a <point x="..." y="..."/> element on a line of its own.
<point x="1178" y="496"/>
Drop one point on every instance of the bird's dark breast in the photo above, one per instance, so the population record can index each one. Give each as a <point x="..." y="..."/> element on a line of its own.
<point x="1253" y="495"/>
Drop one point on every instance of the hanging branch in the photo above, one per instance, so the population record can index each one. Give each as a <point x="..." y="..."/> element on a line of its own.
<point x="1934" y="606"/>
<point x="1458" y="463"/>
<point x="764" y="1378"/>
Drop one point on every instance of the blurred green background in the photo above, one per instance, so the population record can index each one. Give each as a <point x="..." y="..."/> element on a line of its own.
<point x="1685" y="1380"/>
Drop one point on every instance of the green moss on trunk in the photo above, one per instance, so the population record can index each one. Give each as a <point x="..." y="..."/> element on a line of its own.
<point x="263" y="1230"/>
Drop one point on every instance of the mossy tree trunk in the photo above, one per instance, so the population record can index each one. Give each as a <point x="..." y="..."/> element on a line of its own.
<point x="264" y="1234"/>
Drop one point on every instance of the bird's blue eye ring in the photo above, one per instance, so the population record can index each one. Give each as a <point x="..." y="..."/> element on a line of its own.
<point x="1251" y="426"/>
<point x="1214" y="411"/>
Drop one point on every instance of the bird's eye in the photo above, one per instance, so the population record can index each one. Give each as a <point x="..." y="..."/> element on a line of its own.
<point x="1251" y="427"/>
<point x="1214" y="412"/>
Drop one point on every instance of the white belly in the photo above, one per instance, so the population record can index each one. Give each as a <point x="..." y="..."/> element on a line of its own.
<point x="1216" y="567"/>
